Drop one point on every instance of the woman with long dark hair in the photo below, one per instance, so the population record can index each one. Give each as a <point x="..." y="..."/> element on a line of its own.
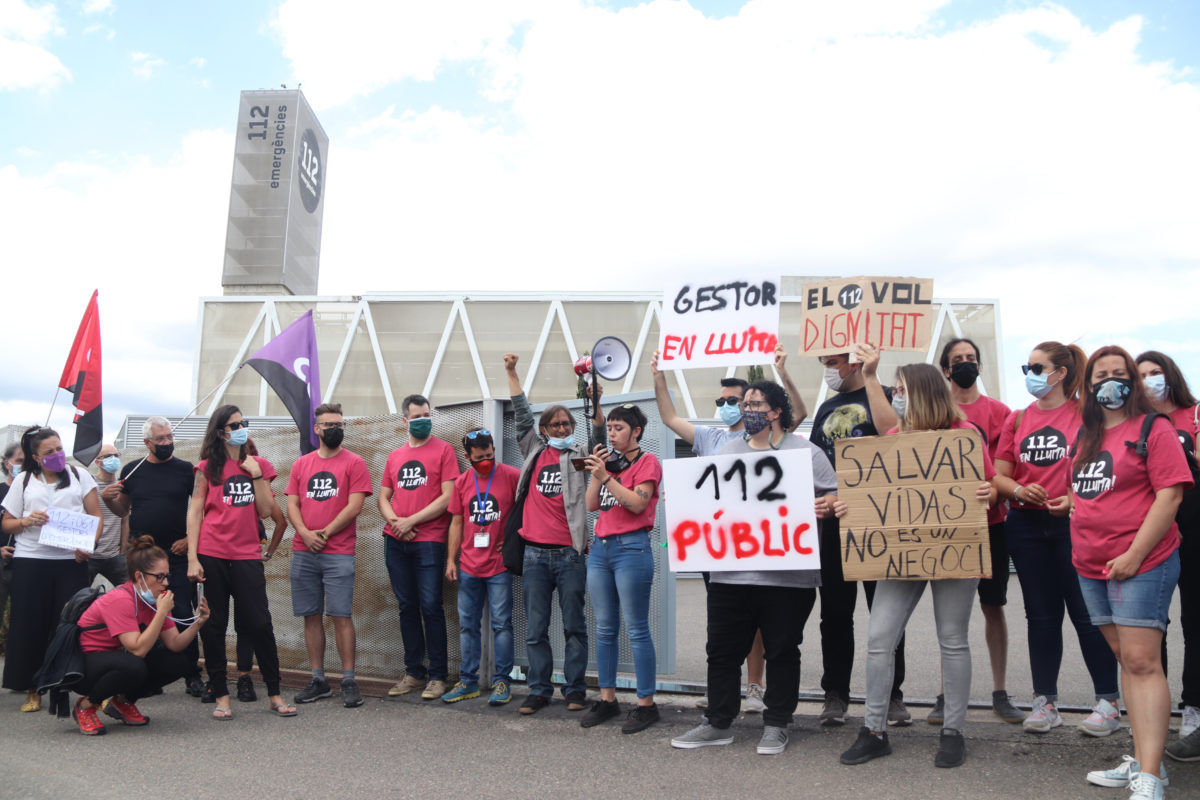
<point x="1126" y="548"/>
<point x="232" y="490"/>
<point x="1032" y="470"/>
<point x="44" y="577"/>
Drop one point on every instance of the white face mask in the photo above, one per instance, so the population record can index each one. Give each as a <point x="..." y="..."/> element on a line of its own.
<point x="1156" y="387"/>
<point x="834" y="379"/>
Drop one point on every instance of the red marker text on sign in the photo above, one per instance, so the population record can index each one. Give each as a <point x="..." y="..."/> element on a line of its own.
<point x="750" y="340"/>
<point x="883" y="329"/>
<point x="745" y="544"/>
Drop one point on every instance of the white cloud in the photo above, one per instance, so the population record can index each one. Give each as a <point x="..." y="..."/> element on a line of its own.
<point x="25" y="63"/>
<point x="144" y="64"/>
<point x="198" y="62"/>
<point x="97" y="6"/>
<point x="27" y="152"/>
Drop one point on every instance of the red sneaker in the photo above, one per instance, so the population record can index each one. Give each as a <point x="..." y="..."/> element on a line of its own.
<point x="125" y="712"/>
<point x="88" y="720"/>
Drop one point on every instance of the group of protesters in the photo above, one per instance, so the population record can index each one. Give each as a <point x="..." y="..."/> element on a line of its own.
<point x="1089" y="489"/>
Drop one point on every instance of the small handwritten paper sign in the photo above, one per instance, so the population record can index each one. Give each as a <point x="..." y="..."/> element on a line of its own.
<point x="69" y="530"/>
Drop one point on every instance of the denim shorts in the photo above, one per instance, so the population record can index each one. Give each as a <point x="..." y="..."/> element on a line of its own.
<point x="322" y="583"/>
<point x="1138" y="602"/>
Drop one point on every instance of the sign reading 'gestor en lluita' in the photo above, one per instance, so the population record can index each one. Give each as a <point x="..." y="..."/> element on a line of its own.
<point x="912" y="508"/>
<point x="725" y="323"/>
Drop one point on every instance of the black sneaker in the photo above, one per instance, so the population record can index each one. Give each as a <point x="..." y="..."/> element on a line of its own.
<point x="937" y="714"/>
<point x="245" y="689"/>
<point x="576" y="701"/>
<point x="316" y="690"/>
<point x="866" y="747"/>
<point x="640" y="718"/>
<point x="534" y="703"/>
<point x="952" y="750"/>
<point x="195" y="686"/>
<point x="601" y="711"/>
<point x="208" y="696"/>
<point x="1004" y="708"/>
<point x="351" y="696"/>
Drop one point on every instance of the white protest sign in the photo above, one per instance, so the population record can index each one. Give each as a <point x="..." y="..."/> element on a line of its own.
<point x="726" y="324"/>
<point x="69" y="530"/>
<point x="751" y="511"/>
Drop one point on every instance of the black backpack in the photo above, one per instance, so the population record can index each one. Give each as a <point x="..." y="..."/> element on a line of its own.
<point x="1189" y="507"/>
<point x="63" y="665"/>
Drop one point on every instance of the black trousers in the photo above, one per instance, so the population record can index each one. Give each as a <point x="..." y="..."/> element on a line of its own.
<point x="246" y="583"/>
<point x="1189" y="613"/>
<point x="735" y="614"/>
<point x="119" y="673"/>
<point x="185" y="600"/>
<point x="838" y="598"/>
<point x="40" y="589"/>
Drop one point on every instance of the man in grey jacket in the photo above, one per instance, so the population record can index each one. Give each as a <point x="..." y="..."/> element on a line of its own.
<point x="554" y="527"/>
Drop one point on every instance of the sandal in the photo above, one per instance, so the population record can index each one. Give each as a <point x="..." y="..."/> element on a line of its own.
<point x="284" y="709"/>
<point x="222" y="714"/>
<point x="33" y="702"/>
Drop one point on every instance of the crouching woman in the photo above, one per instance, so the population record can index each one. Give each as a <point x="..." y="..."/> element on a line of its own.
<point x="131" y="646"/>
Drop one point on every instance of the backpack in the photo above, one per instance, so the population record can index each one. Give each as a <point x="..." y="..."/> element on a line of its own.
<point x="63" y="665"/>
<point x="1189" y="507"/>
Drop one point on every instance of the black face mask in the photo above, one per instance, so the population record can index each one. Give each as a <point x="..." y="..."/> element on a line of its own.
<point x="965" y="373"/>
<point x="332" y="437"/>
<point x="163" y="452"/>
<point x="618" y="463"/>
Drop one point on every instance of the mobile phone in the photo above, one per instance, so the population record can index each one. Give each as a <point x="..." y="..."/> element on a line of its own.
<point x="199" y="595"/>
<point x="580" y="464"/>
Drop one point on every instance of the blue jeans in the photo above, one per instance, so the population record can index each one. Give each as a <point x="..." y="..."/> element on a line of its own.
<point x="1142" y="601"/>
<point x="544" y="571"/>
<point x="620" y="572"/>
<point x="1040" y="546"/>
<point x="416" y="569"/>
<point x="471" y="591"/>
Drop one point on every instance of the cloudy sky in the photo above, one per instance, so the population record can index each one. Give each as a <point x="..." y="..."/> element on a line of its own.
<point x="1041" y="154"/>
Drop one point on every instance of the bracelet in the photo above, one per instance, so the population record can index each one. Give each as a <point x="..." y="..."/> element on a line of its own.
<point x="258" y="478"/>
<point x="1017" y="492"/>
<point x="606" y="480"/>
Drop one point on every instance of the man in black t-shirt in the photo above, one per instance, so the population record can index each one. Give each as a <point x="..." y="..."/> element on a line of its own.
<point x="155" y="492"/>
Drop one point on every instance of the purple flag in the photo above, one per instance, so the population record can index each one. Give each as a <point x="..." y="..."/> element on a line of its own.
<point x="288" y="363"/>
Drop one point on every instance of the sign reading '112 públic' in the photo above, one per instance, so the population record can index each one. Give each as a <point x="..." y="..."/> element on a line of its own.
<point x="741" y="512"/>
<point x="719" y="324"/>
<point x="892" y="313"/>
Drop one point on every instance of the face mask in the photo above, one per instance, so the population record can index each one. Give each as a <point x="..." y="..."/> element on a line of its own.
<point x="55" y="462"/>
<point x="332" y="437"/>
<point x="238" y="438"/>
<point x="147" y="595"/>
<point x="1037" y="385"/>
<point x="163" y="452"/>
<point x="900" y="404"/>
<point x="1156" y="387"/>
<point x="965" y="373"/>
<point x="834" y="379"/>
<point x="421" y="427"/>
<point x="16" y="470"/>
<point x="730" y="414"/>
<point x="484" y="467"/>
<point x="565" y="443"/>
<point x="754" y="421"/>
<point x="1113" y="392"/>
<point x="111" y="464"/>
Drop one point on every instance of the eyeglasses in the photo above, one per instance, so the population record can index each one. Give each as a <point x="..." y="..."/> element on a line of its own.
<point x="233" y="426"/>
<point x="327" y="425"/>
<point x="170" y="437"/>
<point x="1037" y="369"/>
<point x="161" y="577"/>
<point x="561" y="425"/>
<point x="733" y="401"/>
<point x="484" y="432"/>
<point x="754" y="405"/>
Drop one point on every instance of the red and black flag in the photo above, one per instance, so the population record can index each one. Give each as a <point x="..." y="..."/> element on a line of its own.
<point x="81" y="376"/>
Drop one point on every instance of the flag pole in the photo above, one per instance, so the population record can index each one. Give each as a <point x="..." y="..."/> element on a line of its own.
<point x="51" y="411"/>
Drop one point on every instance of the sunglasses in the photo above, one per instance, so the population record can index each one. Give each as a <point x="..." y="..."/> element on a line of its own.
<point x="733" y="401"/>
<point x="1037" y="369"/>
<point x="233" y="426"/>
<point x="478" y="433"/>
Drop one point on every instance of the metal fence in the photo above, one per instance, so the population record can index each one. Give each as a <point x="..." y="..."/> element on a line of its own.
<point x="380" y="650"/>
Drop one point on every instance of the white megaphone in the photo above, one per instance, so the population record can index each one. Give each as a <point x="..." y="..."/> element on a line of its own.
<point x="610" y="360"/>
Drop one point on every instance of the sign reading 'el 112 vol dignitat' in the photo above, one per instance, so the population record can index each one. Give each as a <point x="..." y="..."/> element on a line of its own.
<point x="273" y="241"/>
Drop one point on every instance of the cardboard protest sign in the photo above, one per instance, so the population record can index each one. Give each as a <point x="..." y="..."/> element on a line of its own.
<point x="728" y="324"/>
<point x="894" y="313"/>
<point x="741" y="512"/>
<point x="912" y="508"/>
<point x="69" y="530"/>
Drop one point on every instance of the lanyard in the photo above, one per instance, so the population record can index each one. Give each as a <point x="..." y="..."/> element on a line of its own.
<point x="479" y="498"/>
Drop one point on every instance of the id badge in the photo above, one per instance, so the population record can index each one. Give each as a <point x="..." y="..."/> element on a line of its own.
<point x="483" y="539"/>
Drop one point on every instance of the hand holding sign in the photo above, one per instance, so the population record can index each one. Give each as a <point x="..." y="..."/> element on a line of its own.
<point x="69" y="530"/>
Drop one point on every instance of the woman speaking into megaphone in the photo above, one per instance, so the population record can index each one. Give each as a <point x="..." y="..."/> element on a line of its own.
<point x="549" y="520"/>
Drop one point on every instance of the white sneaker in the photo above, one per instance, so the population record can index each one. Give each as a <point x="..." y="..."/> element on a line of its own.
<point x="1120" y="776"/>
<point x="754" y="699"/>
<point x="1104" y="719"/>
<point x="1042" y="717"/>
<point x="1191" y="720"/>
<point x="1145" y="787"/>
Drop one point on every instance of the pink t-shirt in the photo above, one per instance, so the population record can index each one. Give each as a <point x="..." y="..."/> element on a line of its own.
<point x="1038" y="451"/>
<point x="484" y="504"/>
<point x="989" y="414"/>
<point x="416" y="475"/>
<point x="545" y="516"/>
<point x="324" y="486"/>
<point x="119" y="612"/>
<point x="1188" y="428"/>
<point x="230" y="526"/>
<point x="615" y="518"/>
<point x="1114" y="492"/>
